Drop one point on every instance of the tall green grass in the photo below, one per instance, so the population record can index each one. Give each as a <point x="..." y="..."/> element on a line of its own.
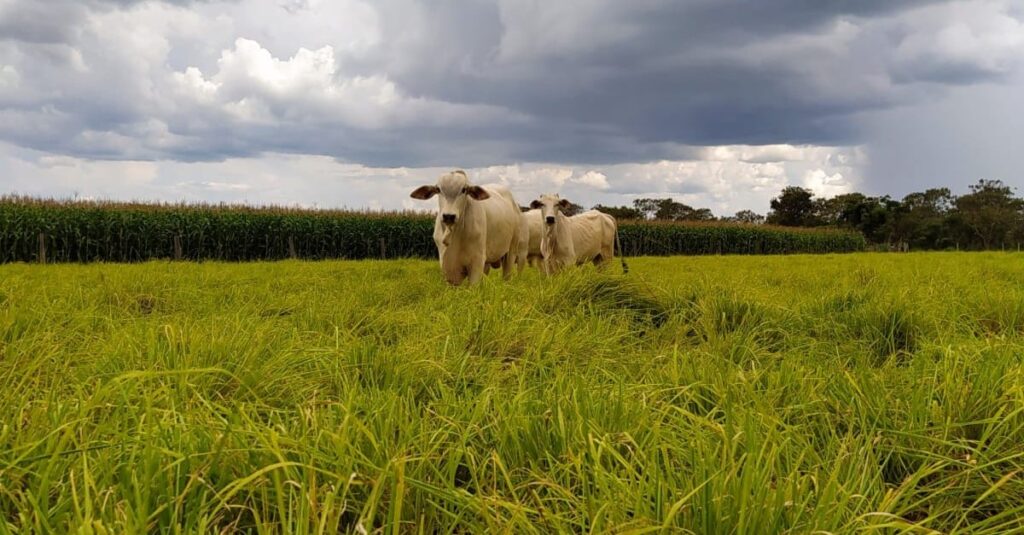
<point x="126" y="232"/>
<point x="828" y="394"/>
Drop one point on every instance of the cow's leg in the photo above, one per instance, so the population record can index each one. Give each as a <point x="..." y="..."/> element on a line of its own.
<point x="506" y="266"/>
<point x="476" y="270"/>
<point x="608" y="253"/>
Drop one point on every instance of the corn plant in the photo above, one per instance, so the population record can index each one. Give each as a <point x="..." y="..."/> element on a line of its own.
<point x="75" y="231"/>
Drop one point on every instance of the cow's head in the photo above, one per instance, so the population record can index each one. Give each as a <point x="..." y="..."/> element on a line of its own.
<point x="549" y="206"/>
<point x="453" y="192"/>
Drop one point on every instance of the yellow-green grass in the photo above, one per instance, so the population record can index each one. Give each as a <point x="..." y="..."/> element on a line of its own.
<point x="835" y="393"/>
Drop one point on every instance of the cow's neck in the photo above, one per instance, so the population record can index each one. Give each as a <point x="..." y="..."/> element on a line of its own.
<point x="557" y="236"/>
<point x="468" y="223"/>
<point x="563" y="233"/>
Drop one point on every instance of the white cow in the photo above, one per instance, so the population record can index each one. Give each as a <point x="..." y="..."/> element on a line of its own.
<point x="476" y="226"/>
<point x="531" y="228"/>
<point x="571" y="241"/>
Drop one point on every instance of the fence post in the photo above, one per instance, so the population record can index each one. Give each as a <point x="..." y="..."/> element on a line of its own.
<point x="42" y="248"/>
<point x="177" y="247"/>
<point x="383" y="252"/>
<point x="291" y="247"/>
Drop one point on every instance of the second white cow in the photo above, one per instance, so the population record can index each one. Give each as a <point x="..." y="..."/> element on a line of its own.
<point x="531" y="229"/>
<point x="476" y="226"/>
<point x="573" y="240"/>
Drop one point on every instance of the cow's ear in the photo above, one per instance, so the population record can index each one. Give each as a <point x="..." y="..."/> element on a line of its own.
<point x="564" y="204"/>
<point x="536" y="205"/>
<point x="476" y="193"/>
<point x="425" y="192"/>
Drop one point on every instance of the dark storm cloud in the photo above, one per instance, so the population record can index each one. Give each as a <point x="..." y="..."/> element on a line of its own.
<point x="654" y="71"/>
<point x="974" y="133"/>
<point x="483" y="82"/>
<point x="41" y="22"/>
<point x="57" y="21"/>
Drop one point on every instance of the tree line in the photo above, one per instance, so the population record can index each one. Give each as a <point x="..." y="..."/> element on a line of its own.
<point x="988" y="216"/>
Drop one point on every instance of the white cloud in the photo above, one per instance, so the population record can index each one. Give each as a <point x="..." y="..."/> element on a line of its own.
<point x="215" y="186"/>
<point x="725" y="186"/>
<point x="548" y="178"/>
<point x="308" y="89"/>
<point x="305" y="87"/>
<point x="774" y="153"/>
<point x="961" y="39"/>
<point x="826" y="185"/>
<point x="593" y="179"/>
<point x="349" y="27"/>
<point x="45" y="175"/>
<point x="192" y="83"/>
<point x="135" y="83"/>
<point x="9" y="76"/>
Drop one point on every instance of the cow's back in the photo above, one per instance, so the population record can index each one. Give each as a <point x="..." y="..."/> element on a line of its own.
<point x="590" y="230"/>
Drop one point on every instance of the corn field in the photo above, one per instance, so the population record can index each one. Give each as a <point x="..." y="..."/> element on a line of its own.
<point x="44" y="230"/>
<point x="655" y="238"/>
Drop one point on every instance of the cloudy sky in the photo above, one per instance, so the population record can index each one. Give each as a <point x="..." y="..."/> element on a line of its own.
<point x="717" y="103"/>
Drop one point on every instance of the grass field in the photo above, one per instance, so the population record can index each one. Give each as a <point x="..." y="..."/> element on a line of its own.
<point x="842" y="394"/>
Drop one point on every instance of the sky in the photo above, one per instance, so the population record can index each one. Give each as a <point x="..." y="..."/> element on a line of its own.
<point x="346" y="103"/>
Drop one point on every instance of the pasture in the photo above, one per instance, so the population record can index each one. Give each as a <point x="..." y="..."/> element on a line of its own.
<point x="720" y="394"/>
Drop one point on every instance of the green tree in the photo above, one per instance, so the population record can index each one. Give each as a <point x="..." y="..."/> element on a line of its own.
<point x="749" y="217"/>
<point x="794" y="207"/>
<point x="872" y="216"/>
<point x="671" y="210"/>
<point x="841" y="210"/>
<point x="620" y="212"/>
<point x="696" y="214"/>
<point x="990" y="212"/>
<point x="648" y="207"/>
<point x="924" y="219"/>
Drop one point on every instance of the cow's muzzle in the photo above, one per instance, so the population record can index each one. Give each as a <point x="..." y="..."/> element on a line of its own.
<point x="550" y="220"/>
<point x="448" y="219"/>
